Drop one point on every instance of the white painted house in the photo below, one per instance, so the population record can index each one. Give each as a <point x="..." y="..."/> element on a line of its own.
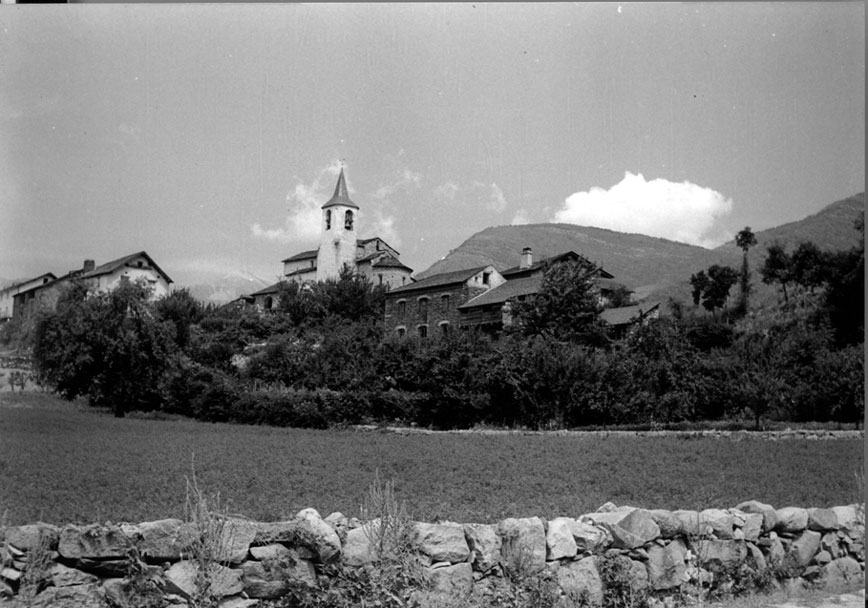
<point x="8" y="293"/>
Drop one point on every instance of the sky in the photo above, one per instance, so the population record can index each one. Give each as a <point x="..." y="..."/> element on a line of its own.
<point x="209" y="135"/>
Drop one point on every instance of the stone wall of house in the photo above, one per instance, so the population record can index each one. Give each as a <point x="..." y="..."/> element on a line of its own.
<point x="665" y="552"/>
<point x="439" y="309"/>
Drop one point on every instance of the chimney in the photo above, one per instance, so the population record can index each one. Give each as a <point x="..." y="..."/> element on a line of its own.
<point x="526" y="258"/>
<point x="88" y="265"/>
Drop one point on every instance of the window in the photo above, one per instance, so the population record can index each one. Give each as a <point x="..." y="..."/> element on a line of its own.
<point x="444" y="328"/>
<point x="268" y="303"/>
<point x="444" y="301"/>
<point x="402" y="308"/>
<point x="380" y="278"/>
<point x="139" y="263"/>
<point x="348" y="220"/>
<point x="423" y="310"/>
<point x="423" y="331"/>
<point x="485" y="277"/>
<point x="401" y="331"/>
<point x="328" y="219"/>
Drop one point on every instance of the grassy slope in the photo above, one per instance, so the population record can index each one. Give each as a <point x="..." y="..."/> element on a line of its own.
<point x="61" y="463"/>
<point x="652" y="266"/>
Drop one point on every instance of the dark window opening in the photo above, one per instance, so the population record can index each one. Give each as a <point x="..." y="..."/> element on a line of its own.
<point x="268" y="303"/>
<point x="348" y="220"/>
<point x="423" y="310"/>
<point x="402" y="308"/>
<point x="444" y="329"/>
<point x="485" y="277"/>
<point x="423" y="331"/>
<point x="401" y="331"/>
<point x="444" y="301"/>
<point x="328" y="219"/>
<point x="380" y="277"/>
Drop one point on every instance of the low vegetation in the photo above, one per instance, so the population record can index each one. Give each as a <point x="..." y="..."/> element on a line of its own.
<point x="56" y="456"/>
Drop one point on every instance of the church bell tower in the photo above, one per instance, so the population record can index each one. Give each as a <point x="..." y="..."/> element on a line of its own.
<point x="337" y="244"/>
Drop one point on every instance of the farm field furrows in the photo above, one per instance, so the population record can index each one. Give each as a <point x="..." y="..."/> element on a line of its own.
<point x="61" y="462"/>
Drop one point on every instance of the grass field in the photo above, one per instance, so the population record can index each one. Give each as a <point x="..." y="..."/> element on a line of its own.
<point x="62" y="462"/>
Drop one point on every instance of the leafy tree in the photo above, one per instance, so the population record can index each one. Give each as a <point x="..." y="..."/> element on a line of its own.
<point x="299" y="302"/>
<point x="712" y="286"/>
<point x="183" y="311"/>
<point x="756" y="382"/>
<point x="621" y="296"/>
<point x="778" y="267"/>
<point x="566" y="307"/>
<point x="745" y="239"/>
<point x="110" y="347"/>
<point x="351" y="296"/>
<point x="809" y="265"/>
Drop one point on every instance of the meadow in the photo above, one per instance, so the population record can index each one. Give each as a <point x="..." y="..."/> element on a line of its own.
<point x="63" y="462"/>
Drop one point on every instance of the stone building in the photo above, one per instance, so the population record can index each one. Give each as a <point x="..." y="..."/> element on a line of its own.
<point x="339" y="247"/>
<point x="478" y="297"/>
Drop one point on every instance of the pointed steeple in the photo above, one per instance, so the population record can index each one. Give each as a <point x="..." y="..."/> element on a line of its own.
<point x="341" y="195"/>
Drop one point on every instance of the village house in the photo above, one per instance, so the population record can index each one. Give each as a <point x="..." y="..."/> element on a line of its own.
<point x="481" y="298"/>
<point x="103" y="278"/>
<point x="19" y="294"/>
<point x="339" y="247"/>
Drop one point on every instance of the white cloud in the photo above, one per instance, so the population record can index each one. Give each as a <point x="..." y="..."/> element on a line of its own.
<point x="681" y="212"/>
<point x="489" y="195"/>
<point x="406" y="180"/>
<point x="446" y="192"/>
<point x="382" y="226"/>
<point x="304" y="204"/>
<point x="520" y="218"/>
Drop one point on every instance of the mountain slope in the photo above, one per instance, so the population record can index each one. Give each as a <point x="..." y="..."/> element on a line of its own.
<point x="651" y="266"/>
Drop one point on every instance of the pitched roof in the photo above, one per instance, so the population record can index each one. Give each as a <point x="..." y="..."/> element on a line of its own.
<point x="389" y="261"/>
<point x="301" y="271"/>
<point x="606" y="283"/>
<point x="510" y="289"/>
<point x="627" y="314"/>
<point x="561" y="257"/>
<point x="12" y="286"/>
<point x="439" y="280"/>
<point x="267" y="290"/>
<point x="341" y="195"/>
<point x="304" y="255"/>
<point x="109" y="267"/>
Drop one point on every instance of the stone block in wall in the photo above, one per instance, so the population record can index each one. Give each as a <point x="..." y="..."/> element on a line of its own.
<point x="822" y="520"/>
<point x="181" y="579"/>
<point x="630" y="528"/>
<point x="791" y="520"/>
<point x="670" y="526"/>
<point x="523" y="544"/>
<point x="719" y="555"/>
<point x="95" y="541"/>
<point x="768" y="512"/>
<point x="802" y="550"/>
<point x="667" y="565"/>
<point x="125" y="593"/>
<point x="559" y="539"/>
<point x="755" y="557"/>
<point x="339" y="523"/>
<point x="318" y="535"/>
<point x="236" y="536"/>
<point x="721" y="522"/>
<point x="750" y="524"/>
<point x="581" y="579"/>
<point x="443" y="542"/>
<point x="237" y="602"/>
<point x="484" y="543"/>
<point x="273" y="578"/>
<point x="773" y="549"/>
<point x="832" y="543"/>
<point x="160" y="541"/>
<point x="851" y="519"/>
<point x="691" y="523"/>
<point x="590" y="538"/>
<point x="29" y="537"/>
<point x="76" y="596"/>
<point x="63" y="576"/>
<point x="450" y="581"/>
<point x="357" y="549"/>
<point x="843" y="571"/>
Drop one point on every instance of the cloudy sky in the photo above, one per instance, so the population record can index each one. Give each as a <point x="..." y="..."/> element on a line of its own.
<point x="209" y="135"/>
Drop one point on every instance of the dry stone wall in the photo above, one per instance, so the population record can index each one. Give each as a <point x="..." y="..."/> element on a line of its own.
<point x="665" y="552"/>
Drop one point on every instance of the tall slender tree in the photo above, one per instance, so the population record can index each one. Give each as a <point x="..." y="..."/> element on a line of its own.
<point x="745" y="239"/>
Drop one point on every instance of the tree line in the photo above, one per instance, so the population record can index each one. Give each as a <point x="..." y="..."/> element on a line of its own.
<point x="321" y="358"/>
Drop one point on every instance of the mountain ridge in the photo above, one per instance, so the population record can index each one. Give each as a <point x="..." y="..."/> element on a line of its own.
<point x="651" y="266"/>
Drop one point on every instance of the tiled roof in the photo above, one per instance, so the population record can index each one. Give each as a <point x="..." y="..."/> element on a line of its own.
<point x="22" y="282"/>
<point x="389" y="261"/>
<point x="510" y="289"/>
<point x="627" y="314"/>
<point x="439" y="280"/>
<point x="561" y="257"/>
<point x="606" y="283"/>
<point x="301" y="271"/>
<point x="267" y="290"/>
<point x="304" y="255"/>
<point x="109" y="267"/>
<point x="341" y="195"/>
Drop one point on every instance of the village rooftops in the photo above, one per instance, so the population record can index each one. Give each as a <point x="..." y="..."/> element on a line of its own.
<point x="628" y="314"/>
<point x="43" y="278"/>
<point x="304" y="255"/>
<point x="513" y="288"/>
<point x="439" y="280"/>
<point x="517" y="271"/>
<point x="110" y="267"/>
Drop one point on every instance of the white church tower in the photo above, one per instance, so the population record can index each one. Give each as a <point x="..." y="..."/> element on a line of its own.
<point x="337" y="244"/>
